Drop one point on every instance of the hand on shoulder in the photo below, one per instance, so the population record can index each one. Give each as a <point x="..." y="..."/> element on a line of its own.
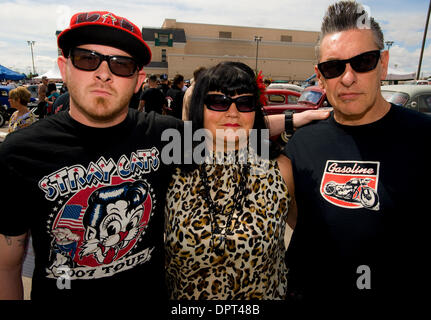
<point x="302" y="118"/>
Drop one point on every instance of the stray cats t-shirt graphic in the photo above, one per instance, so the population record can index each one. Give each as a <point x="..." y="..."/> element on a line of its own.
<point x="351" y="184"/>
<point x="99" y="215"/>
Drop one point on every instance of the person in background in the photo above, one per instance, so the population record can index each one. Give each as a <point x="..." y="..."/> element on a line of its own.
<point x="62" y="103"/>
<point x="189" y="91"/>
<point x="175" y="96"/>
<point x="152" y="99"/>
<point x="52" y="95"/>
<point x="41" y="95"/>
<point x="164" y="83"/>
<point x="63" y="88"/>
<point x="22" y="117"/>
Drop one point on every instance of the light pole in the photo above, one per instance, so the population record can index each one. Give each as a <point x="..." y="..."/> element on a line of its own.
<point x="257" y="39"/>
<point x="423" y="42"/>
<point x="389" y="44"/>
<point x="31" y="44"/>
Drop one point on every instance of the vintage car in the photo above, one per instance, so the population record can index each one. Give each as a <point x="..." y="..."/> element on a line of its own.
<point x="311" y="98"/>
<point x="410" y="96"/>
<point x="278" y="98"/>
<point x="4" y="95"/>
<point x="288" y="86"/>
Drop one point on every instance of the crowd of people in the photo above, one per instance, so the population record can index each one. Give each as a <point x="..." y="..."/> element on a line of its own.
<point x="111" y="219"/>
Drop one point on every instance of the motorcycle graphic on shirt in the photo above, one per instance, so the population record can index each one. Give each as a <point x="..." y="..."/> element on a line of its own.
<point x="351" y="184"/>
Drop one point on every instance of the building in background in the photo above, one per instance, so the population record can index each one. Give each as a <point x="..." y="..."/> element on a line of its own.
<point x="181" y="47"/>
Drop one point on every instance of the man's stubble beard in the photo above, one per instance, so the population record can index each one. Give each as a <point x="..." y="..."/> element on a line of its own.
<point x="92" y="109"/>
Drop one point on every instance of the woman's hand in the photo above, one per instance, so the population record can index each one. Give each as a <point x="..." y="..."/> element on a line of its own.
<point x="302" y="118"/>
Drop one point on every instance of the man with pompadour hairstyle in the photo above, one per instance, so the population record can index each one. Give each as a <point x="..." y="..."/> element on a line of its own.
<point x="360" y="180"/>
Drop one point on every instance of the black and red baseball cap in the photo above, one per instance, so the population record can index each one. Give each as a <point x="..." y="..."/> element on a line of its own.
<point x="105" y="28"/>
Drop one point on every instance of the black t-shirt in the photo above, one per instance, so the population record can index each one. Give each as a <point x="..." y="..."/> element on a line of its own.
<point x="362" y="202"/>
<point x="135" y="100"/>
<point x="164" y="88"/>
<point x="93" y="200"/>
<point x="175" y="96"/>
<point x="154" y="100"/>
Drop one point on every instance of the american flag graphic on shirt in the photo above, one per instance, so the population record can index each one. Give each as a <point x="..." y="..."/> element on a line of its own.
<point x="71" y="217"/>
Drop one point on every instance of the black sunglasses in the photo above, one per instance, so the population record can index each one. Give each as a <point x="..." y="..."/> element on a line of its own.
<point x="89" y="60"/>
<point x="363" y="62"/>
<point x="221" y="102"/>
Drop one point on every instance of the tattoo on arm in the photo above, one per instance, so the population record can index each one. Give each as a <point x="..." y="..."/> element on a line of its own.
<point x="21" y="242"/>
<point x="8" y="240"/>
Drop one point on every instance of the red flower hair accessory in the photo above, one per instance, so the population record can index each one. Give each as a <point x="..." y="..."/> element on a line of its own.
<point x="261" y="89"/>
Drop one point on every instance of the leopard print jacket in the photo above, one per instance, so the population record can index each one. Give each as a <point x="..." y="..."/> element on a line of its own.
<point x="250" y="264"/>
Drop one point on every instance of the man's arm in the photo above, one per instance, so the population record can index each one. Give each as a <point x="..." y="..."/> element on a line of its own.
<point x="286" y="171"/>
<point x="12" y="250"/>
<point x="276" y="121"/>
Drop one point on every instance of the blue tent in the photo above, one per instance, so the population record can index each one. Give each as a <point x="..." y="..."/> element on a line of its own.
<point x="7" y="74"/>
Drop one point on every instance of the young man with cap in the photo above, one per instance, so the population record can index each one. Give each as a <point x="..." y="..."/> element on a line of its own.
<point x="93" y="179"/>
<point x="360" y="182"/>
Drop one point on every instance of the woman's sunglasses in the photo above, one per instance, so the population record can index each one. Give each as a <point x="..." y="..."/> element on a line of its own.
<point x="363" y="62"/>
<point x="89" y="60"/>
<point x="221" y="103"/>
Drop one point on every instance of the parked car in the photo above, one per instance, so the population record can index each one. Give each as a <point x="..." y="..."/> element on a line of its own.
<point x="311" y="98"/>
<point x="33" y="88"/>
<point x="278" y="98"/>
<point x="288" y="86"/>
<point x="4" y="95"/>
<point x="422" y="82"/>
<point x="410" y="96"/>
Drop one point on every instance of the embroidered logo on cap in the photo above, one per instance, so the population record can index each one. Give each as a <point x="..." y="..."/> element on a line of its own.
<point x="107" y="18"/>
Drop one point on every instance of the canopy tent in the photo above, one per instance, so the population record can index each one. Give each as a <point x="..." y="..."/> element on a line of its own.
<point x="396" y="75"/>
<point x="8" y="74"/>
<point x="54" y="73"/>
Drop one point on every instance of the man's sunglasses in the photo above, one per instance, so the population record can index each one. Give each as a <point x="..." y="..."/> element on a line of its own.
<point x="363" y="62"/>
<point x="221" y="102"/>
<point x="89" y="60"/>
